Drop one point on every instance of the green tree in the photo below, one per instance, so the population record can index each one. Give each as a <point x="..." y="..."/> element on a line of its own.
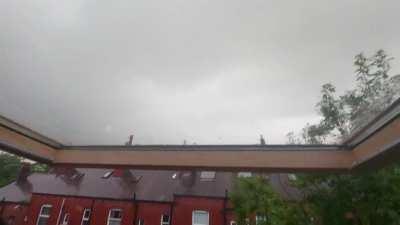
<point x="9" y="167"/>
<point x="366" y="198"/>
<point x="369" y="197"/>
<point x="255" y="198"/>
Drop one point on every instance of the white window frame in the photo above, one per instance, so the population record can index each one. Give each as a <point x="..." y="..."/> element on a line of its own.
<point x="113" y="219"/>
<point x="83" y="216"/>
<point x="40" y="215"/>
<point x="201" y="211"/>
<point x="261" y="219"/>
<point x="292" y="177"/>
<point x="244" y="174"/>
<point x="140" y="222"/>
<point x="207" y="175"/>
<point x="65" y="219"/>
<point x="233" y="222"/>
<point x="162" y="219"/>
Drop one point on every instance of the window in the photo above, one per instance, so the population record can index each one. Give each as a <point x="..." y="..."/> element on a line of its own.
<point x="244" y="174"/>
<point x="11" y="220"/>
<point x="207" y="175"/>
<point x="66" y="219"/>
<point x="140" y="222"/>
<point x="107" y="175"/>
<point x="114" y="217"/>
<point x="164" y="219"/>
<point x="200" y="218"/>
<point x="85" y="217"/>
<point x="292" y="177"/>
<point x="261" y="219"/>
<point x="233" y="222"/>
<point x="44" y="215"/>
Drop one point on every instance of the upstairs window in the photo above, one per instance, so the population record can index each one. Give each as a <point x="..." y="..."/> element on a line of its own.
<point x="244" y="174"/>
<point x="11" y="220"/>
<point x="85" y="217"/>
<point x="66" y="219"/>
<point x="292" y="177"/>
<point x="44" y="215"/>
<point x="114" y="217"/>
<point x="140" y="222"/>
<point x="165" y="219"/>
<point x="207" y="175"/>
<point x="200" y="218"/>
<point x="261" y="219"/>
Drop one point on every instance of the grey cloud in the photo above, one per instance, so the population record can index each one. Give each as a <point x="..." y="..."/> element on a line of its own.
<point x="92" y="72"/>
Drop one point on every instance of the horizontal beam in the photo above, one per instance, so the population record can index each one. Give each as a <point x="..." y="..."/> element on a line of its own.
<point x="252" y="158"/>
<point x="20" y="144"/>
<point x="374" y="145"/>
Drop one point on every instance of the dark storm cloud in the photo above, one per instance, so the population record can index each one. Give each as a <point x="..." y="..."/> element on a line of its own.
<point x="92" y="72"/>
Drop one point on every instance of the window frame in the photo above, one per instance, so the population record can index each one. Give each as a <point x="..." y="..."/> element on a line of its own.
<point x="208" y="175"/>
<point x="83" y="215"/>
<point x="113" y="219"/>
<point x="162" y="219"/>
<point x="201" y="211"/>
<point x="292" y="177"/>
<point x="40" y="215"/>
<point x="140" y="222"/>
<point x="65" y="220"/>
<point x="233" y="222"/>
<point x="244" y="174"/>
<point x="261" y="219"/>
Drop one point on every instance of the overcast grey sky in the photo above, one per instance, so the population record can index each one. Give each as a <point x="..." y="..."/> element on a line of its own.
<point x="210" y="72"/>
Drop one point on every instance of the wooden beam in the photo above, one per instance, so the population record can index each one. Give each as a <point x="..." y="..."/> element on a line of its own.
<point x="23" y="145"/>
<point x="240" y="158"/>
<point x="374" y="145"/>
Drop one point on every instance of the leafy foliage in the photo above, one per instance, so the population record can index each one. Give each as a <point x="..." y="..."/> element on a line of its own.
<point x="10" y="166"/>
<point x="341" y="115"/>
<point x="254" y="197"/>
<point x="367" y="198"/>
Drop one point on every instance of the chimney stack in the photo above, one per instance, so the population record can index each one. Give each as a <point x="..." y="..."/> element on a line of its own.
<point x="262" y="140"/>
<point x="24" y="172"/>
<point x="130" y="140"/>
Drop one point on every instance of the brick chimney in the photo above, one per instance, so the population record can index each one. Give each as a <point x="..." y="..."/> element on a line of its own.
<point x="130" y="141"/>
<point x="22" y="179"/>
<point x="24" y="172"/>
<point x="262" y="140"/>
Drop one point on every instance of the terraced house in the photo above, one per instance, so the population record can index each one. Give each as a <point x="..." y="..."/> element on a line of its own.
<point x="67" y="196"/>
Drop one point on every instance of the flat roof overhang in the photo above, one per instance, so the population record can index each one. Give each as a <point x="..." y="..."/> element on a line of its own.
<point x="373" y="146"/>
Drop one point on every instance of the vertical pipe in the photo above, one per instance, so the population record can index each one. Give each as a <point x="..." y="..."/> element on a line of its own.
<point x="59" y="213"/>
<point x="224" y="209"/>
<point x="171" y="210"/>
<point x="135" y="206"/>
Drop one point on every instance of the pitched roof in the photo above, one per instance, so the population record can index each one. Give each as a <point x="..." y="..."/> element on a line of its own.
<point x="147" y="185"/>
<point x="150" y="185"/>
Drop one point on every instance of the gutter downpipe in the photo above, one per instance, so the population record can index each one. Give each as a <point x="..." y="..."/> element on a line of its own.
<point x="59" y="213"/>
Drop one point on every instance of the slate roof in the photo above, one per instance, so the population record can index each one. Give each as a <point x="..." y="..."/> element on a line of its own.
<point x="149" y="185"/>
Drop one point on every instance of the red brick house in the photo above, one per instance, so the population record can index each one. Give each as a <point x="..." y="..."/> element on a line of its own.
<point x="118" y="197"/>
<point x="121" y="197"/>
